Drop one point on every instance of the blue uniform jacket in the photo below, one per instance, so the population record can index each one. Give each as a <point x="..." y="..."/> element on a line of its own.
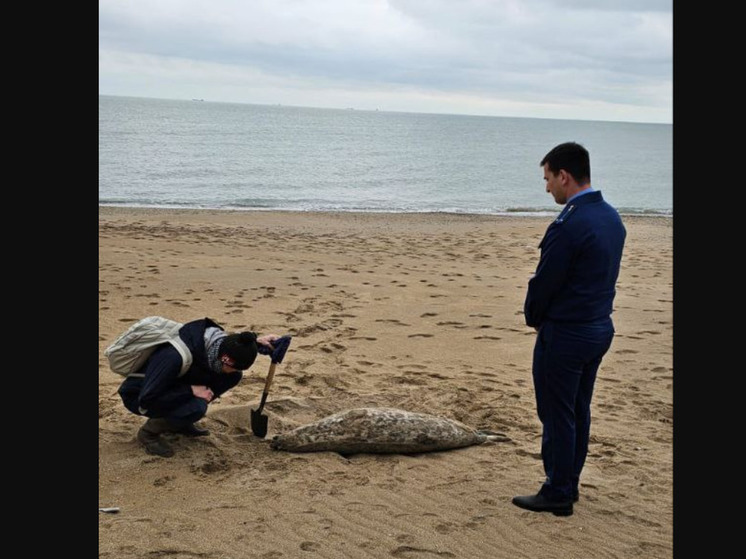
<point x="162" y="389"/>
<point x="581" y="253"/>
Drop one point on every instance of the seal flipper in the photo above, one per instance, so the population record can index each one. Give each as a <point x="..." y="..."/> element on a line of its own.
<point x="494" y="436"/>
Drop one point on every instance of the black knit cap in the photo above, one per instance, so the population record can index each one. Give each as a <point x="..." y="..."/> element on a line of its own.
<point x="238" y="350"/>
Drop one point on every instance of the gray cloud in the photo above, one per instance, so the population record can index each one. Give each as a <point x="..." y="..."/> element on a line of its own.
<point x="551" y="58"/>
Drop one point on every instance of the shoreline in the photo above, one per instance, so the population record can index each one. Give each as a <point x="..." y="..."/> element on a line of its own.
<point x="508" y="214"/>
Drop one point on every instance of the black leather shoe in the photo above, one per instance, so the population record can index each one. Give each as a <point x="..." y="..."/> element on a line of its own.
<point x="191" y="430"/>
<point x="539" y="503"/>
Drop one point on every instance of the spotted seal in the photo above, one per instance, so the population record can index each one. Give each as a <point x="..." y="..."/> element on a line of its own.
<point x="381" y="431"/>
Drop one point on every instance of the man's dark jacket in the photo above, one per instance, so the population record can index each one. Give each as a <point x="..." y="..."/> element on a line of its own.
<point x="162" y="389"/>
<point x="581" y="252"/>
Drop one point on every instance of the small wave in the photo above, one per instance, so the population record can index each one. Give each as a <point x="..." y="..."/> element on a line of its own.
<point x="268" y="206"/>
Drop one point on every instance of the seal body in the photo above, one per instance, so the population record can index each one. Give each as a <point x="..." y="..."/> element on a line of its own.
<point x="379" y="431"/>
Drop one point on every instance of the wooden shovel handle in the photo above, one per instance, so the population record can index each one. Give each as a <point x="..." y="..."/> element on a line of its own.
<point x="270" y="376"/>
<point x="267" y="384"/>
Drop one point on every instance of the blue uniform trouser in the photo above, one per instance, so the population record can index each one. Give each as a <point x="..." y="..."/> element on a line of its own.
<point x="565" y="362"/>
<point x="190" y="412"/>
<point x="172" y="404"/>
<point x="183" y="414"/>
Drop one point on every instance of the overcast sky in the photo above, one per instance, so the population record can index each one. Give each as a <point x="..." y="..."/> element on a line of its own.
<point x="576" y="59"/>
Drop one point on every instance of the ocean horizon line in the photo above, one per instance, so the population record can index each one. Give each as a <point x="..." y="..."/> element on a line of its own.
<point x="389" y="111"/>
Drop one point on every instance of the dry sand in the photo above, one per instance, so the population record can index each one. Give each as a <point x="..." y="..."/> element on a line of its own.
<point x="419" y="312"/>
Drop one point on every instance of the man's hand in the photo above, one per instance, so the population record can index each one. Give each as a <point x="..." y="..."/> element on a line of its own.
<point x="203" y="392"/>
<point x="267" y="340"/>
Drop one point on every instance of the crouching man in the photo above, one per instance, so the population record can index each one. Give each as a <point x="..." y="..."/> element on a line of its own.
<point x="174" y="403"/>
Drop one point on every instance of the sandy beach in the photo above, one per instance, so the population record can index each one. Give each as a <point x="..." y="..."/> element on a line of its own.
<point x="421" y="312"/>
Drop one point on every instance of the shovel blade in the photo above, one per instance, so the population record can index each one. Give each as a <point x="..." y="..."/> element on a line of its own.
<point x="259" y="423"/>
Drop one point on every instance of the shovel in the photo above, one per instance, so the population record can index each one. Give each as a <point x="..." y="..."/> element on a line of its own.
<point x="258" y="419"/>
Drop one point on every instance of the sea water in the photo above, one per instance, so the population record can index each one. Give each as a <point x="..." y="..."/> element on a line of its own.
<point x="201" y="154"/>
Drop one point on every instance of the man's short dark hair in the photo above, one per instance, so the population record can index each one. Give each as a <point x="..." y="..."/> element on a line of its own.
<point x="573" y="158"/>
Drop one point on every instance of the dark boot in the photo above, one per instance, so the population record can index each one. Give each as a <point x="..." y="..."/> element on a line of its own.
<point x="191" y="430"/>
<point x="150" y="436"/>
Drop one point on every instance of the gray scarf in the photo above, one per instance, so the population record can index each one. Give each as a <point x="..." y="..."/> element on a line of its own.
<point x="213" y="337"/>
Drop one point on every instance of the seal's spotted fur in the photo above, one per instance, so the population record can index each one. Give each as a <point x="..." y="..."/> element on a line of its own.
<point x="382" y="431"/>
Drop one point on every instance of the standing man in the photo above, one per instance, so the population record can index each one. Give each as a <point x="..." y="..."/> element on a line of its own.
<point x="569" y="302"/>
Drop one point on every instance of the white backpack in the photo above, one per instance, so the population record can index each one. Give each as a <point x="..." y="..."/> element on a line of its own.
<point x="132" y="348"/>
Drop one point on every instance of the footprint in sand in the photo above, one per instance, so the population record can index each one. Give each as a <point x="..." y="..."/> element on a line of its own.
<point x="337" y="347"/>
<point x="476" y="521"/>
<point x="392" y="321"/>
<point x="408" y="551"/>
<point x="163" y="480"/>
<point x="445" y="528"/>
<point x="534" y="455"/>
